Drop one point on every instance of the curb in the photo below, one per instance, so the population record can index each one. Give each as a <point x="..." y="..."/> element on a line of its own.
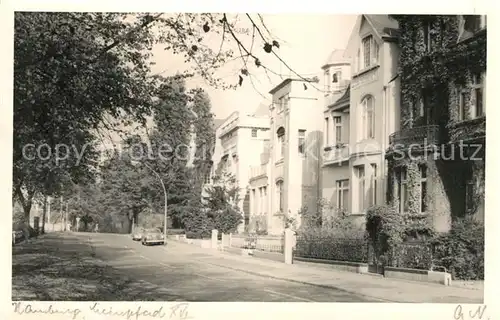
<point x="307" y="283"/>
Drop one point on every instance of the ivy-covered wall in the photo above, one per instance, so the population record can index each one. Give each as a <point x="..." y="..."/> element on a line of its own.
<point x="441" y="72"/>
<point x="447" y="65"/>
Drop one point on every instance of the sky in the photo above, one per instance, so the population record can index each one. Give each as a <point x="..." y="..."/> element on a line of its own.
<point x="306" y="41"/>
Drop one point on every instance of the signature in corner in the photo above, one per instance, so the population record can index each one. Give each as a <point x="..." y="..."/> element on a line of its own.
<point x="474" y="313"/>
<point x="180" y="311"/>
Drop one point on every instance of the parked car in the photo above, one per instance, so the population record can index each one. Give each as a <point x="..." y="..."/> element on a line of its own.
<point x="137" y="234"/>
<point x="17" y="236"/>
<point x="153" y="236"/>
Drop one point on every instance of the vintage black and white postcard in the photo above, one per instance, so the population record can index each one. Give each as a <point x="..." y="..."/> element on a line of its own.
<point x="165" y="157"/>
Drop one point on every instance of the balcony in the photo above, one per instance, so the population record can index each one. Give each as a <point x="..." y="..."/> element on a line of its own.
<point x="415" y="137"/>
<point x="335" y="154"/>
<point x="468" y="130"/>
<point x="258" y="172"/>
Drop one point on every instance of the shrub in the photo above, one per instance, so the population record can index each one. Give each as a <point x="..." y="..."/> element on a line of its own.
<point x="339" y="239"/>
<point x="385" y="230"/>
<point x="461" y="250"/>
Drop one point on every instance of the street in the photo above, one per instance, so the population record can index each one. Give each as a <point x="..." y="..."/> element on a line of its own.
<point x="110" y="267"/>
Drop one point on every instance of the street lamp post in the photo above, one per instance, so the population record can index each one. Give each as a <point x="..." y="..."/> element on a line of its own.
<point x="164" y="195"/>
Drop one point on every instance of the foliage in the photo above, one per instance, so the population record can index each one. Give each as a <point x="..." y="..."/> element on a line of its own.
<point x="326" y="215"/>
<point x="384" y="228"/>
<point x="339" y="238"/>
<point x="442" y="69"/>
<point x="221" y="203"/>
<point x="461" y="250"/>
<point x="80" y="75"/>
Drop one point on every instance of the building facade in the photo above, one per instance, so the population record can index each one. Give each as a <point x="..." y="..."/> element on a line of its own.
<point x="335" y="157"/>
<point x="294" y="152"/>
<point x="436" y="159"/>
<point x="237" y="138"/>
<point x="366" y="114"/>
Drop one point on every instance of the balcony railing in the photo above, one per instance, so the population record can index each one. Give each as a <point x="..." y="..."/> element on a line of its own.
<point x="421" y="136"/>
<point x="258" y="171"/>
<point x="335" y="153"/>
<point x="468" y="130"/>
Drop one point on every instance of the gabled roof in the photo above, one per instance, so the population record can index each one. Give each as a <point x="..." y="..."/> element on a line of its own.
<point x="344" y="99"/>
<point x="383" y="26"/>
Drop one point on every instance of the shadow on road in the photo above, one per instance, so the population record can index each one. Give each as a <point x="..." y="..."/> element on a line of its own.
<point x="53" y="269"/>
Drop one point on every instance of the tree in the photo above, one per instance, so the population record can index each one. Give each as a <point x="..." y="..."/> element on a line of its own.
<point x="77" y="74"/>
<point x="221" y="203"/>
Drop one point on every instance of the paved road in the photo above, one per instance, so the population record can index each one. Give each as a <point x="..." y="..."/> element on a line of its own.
<point x="180" y="272"/>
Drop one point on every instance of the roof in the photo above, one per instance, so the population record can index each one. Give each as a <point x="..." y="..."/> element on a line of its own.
<point x="218" y="122"/>
<point x="336" y="57"/>
<point x="344" y="99"/>
<point x="384" y="25"/>
<point x="288" y="80"/>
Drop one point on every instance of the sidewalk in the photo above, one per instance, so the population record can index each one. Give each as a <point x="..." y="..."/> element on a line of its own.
<point x="372" y="286"/>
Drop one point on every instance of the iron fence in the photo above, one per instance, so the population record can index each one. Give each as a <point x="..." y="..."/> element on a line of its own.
<point x="268" y="244"/>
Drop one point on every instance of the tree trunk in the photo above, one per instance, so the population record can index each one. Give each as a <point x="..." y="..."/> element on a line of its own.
<point x="44" y="213"/>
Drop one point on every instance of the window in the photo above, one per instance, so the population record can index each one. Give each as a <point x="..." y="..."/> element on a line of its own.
<point x="423" y="188"/>
<point x="281" y="142"/>
<point x="462" y="108"/>
<point x="402" y="190"/>
<point x="367" y="43"/>
<point x="338" y="129"/>
<point x="477" y="109"/>
<point x="370" y="51"/>
<point x="469" y="196"/>
<point x="368" y="118"/>
<point x="357" y="63"/>
<point x="373" y="185"/>
<point x="283" y="103"/>
<point x="342" y="194"/>
<point x="302" y="141"/>
<point x="260" y="207"/>
<point x="327" y="131"/>
<point x="427" y="36"/>
<point x="254" y="202"/>
<point x="327" y="81"/>
<point x="254" y="133"/>
<point x="424" y="107"/>
<point x="475" y="97"/>
<point x="264" y="200"/>
<point x="279" y="188"/>
<point x="337" y="76"/>
<point x="360" y="175"/>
